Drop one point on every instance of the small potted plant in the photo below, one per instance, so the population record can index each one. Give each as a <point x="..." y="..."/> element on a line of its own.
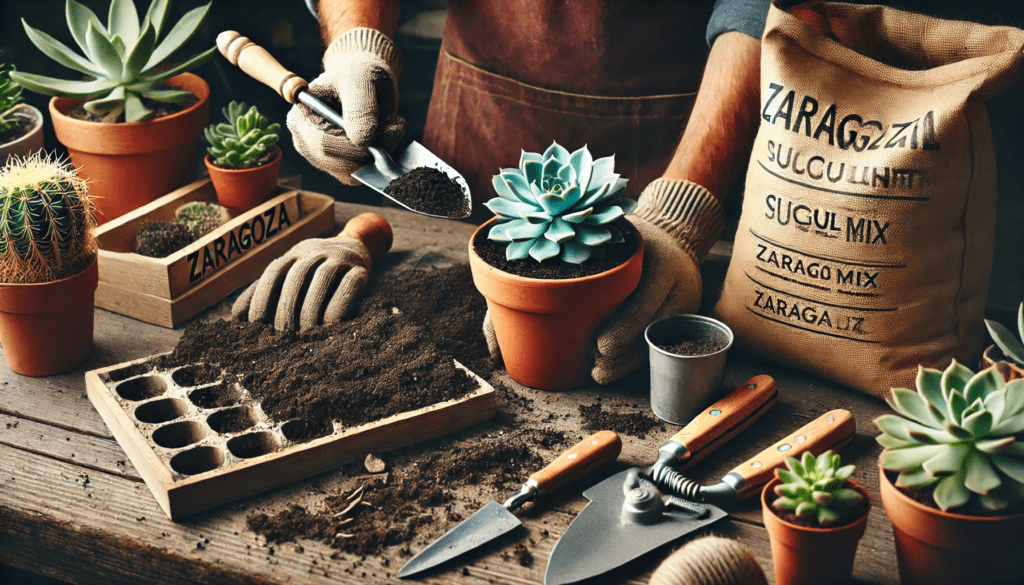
<point x="21" y="125"/>
<point x="163" y="237"/>
<point x="243" y="158"/>
<point x="48" y="274"/>
<point x="815" y="516"/>
<point x="1011" y="363"/>
<point x="132" y="126"/>
<point x="555" y="262"/>
<point x="952" y="477"/>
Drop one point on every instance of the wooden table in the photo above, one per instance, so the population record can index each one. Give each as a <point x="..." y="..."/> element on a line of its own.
<point x="73" y="507"/>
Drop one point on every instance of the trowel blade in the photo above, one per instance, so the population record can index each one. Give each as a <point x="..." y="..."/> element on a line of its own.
<point x="597" y="541"/>
<point x="488" y="523"/>
<point x="379" y="175"/>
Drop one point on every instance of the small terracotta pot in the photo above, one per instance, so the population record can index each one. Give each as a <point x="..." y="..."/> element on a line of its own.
<point x="29" y="142"/>
<point x="242" y="189"/>
<point x="546" y="328"/>
<point x="994" y="357"/>
<point x="46" y="328"/>
<point x="811" y="556"/>
<point x="939" y="548"/>
<point x="130" y="164"/>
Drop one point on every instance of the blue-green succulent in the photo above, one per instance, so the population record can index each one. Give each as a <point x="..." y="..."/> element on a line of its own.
<point x="816" y="488"/>
<point x="559" y="205"/>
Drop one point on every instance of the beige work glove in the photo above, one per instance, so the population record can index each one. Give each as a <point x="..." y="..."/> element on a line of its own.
<point x="359" y="81"/>
<point x="679" y="222"/>
<point x="278" y="294"/>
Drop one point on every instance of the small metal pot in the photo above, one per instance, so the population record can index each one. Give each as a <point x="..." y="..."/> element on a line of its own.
<point x="681" y="386"/>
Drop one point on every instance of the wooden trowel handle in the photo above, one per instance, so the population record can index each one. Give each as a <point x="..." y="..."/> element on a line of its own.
<point x="373" y="230"/>
<point x="260" y="65"/>
<point x="586" y="456"/>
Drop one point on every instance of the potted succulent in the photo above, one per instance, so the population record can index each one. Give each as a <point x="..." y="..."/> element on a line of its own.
<point x="952" y="477"/>
<point x="132" y="127"/>
<point x="815" y="516"/>
<point x="243" y="158"/>
<point x="21" y="125"/>
<point x="48" y="274"/>
<point x="555" y="262"/>
<point x="1011" y="363"/>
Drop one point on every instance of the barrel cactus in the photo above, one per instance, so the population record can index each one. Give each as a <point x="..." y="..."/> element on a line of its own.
<point x="242" y="141"/>
<point x="46" y="221"/>
<point x="559" y="205"/>
<point x="814" y="488"/>
<point x="960" y="436"/>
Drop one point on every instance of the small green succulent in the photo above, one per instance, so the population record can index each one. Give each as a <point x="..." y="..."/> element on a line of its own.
<point x="960" y="434"/>
<point x="241" y="141"/>
<point x="813" y="488"/>
<point x="559" y="205"/>
<point x="123" y="59"/>
<point x="1012" y="347"/>
<point x="10" y="98"/>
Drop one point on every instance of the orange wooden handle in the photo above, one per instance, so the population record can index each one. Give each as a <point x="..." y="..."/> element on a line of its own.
<point x="373" y="230"/>
<point x="259" y="64"/>
<point x="586" y="456"/>
<point x="832" y="430"/>
<point x="726" y="418"/>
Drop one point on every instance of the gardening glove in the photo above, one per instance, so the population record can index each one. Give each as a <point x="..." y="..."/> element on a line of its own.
<point x="359" y="81"/>
<point x="282" y="291"/>
<point x="679" y="222"/>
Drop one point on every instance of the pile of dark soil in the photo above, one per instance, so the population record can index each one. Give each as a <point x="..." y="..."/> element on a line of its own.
<point x="160" y="109"/>
<point x="161" y="238"/>
<point x="604" y="258"/>
<point x="637" y="424"/>
<point x="431" y="191"/>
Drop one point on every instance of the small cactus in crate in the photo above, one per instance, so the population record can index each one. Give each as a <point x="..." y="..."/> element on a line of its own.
<point x="559" y="205"/>
<point x="242" y="141"/>
<point x="10" y="99"/>
<point x="815" y="489"/>
<point x="960" y="435"/>
<point x="46" y="221"/>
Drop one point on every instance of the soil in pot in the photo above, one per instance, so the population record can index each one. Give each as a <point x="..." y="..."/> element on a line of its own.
<point x="605" y="258"/>
<point x="430" y="190"/>
<point x="709" y="340"/>
<point x="22" y="125"/>
<point x="116" y="116"/>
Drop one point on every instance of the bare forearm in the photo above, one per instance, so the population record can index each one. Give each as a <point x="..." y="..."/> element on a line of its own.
<point x="722" y="126"/>
<point x="339" y="16"/>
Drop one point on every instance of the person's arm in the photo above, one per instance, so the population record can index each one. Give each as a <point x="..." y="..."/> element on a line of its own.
<point x="339" y="16"/>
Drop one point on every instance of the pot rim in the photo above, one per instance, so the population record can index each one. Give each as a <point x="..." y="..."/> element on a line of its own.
<point x="693" y="317"/>
<point x="36" y="126"/>
<point x="278" y="154"/>
<point x="810" y="529"/>
<point x="558" y="282"/>
<point x="72" y="102"/>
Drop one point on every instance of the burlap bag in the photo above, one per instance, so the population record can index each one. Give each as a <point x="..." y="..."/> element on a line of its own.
<point x="865" y="242"/>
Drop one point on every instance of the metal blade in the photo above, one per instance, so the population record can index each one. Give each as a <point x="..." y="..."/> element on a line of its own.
<point x="379" y="175"/>
<point x="488" y="523"/>
<point x="597" y="541"/>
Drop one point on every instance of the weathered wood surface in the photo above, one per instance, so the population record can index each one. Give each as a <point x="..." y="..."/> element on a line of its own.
<point x="110" y="529"/>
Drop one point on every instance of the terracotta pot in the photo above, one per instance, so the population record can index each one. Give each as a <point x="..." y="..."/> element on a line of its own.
<point x="242" y="189"/>
<point x="29" y="142"/>
<point x="811" y="556"/>
<point x="128" y="165"/>
<point x="994" y="357"/>
<point x="546" y="328"/>
<point x="46" y="328"/>
<point x="939" y="548"/>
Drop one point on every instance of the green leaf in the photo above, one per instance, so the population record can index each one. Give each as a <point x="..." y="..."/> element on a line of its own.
<point x="914" y="406"/>
<point x="134" y="110"/>
<point x="915" y="478"/>
<point x="182" y="31"/>
<point x="140" y="53"/>
<point x="506" y="208"/>
<point x="123" y="21"/>
<point x="910" y="458"/>
<point x="553" y="204"/>
<point x="822" y="497"/>
<point x="1014" y="468"/>
<point x="60" y="52"/>
<point x="603" y="169"/>
<point x="847" y="496"/>
<point x="983" y="384"/>
<point x="605" y="216"/>
<point x="805" y="509"/>
<point x="994" y="502"/>
<point x="79" y="17"/>
<point x="583" y="162"/>
<point x="951" y="492"/>
<point x="955" y="377"/>
<point x="186" y="66"/>
<point x="948" y="460"/>
<point x="519" y="250"/>
<point x="592" y="198"/>
<point x="575" y="253"/>
<point x="978" y="424"/>
<point x="787" y="476"/>
<point x="106" y="103"/>
<point x="784" y="503"/>
<point x="929" y="385"/>
<point x="909" y="430"/>
<point x="556" y="152"/>
<point x="168" y="96"/>
<point x="520" y="229"/>
<point x="589" y="236"/>
<point x="1009" y="426"/>
<point x="1014" y="403"/>
<point x="994" y="446"/>
<point x="888" y="441"/>
<point x="559" y="231"/>
<point x="957" y="405"/>
<point x="617" y="237"/>
<point x="103" y="52"/>
<point x="980" y="477"/>
<point x="844" y="473"/>
<point x="544" y="249"/>
<point x="1011" y="346"/>
<point x="63" y="88"/>
<point x="578" y="216"/>
<point x="157" y="14"/>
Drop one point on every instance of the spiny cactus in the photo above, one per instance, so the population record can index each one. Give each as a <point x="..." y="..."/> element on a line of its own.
<point x="240" y="142"/>
<point x="46" y="221"/>
<point x="814" y="488"/>
<point x="123" y="59"/>
<point x="960" y="435"/>
<point x="1012" y="347"/>
<point x="560" y="205"/>
<point x="10" y="97"/>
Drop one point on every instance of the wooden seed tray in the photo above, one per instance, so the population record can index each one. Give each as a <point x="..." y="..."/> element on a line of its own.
<point x="190" y="467"/>
<point x="168" y="291"/>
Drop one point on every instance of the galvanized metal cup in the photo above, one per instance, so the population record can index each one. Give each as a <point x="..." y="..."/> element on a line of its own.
<point x="681" y="386"/>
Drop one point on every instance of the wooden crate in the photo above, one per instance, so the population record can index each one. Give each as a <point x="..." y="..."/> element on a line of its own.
<point x="167" y="291"/>
<point x="214" y="468"/>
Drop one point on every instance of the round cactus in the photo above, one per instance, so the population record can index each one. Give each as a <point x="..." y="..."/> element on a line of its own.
<point x="814" y="488"/>
<point x="46" y="221"/>
<point x="559" y="205"/>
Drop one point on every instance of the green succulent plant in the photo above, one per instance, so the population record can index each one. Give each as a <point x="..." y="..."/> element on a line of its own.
<point x="46" y="221"/>
<point x="960" y="434"/>
<point x="243" y="139"/>
<point x="1012" y="347"/>
<point x="10" y="98"/>
<point x="813" y="488"/>
<point x="124" y="59"/>
<point x="559" y="205"/>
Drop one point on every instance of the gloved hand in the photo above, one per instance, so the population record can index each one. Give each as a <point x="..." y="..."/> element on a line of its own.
<point x="359" y="81"/>
<point x="342" y="257"/>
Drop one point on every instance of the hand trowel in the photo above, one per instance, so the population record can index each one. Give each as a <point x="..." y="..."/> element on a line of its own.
<point x="494" y="519"/>
<point x="261" y="66"/>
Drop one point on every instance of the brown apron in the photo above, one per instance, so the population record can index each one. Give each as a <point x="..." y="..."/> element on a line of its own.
<point x="617" y="75"/>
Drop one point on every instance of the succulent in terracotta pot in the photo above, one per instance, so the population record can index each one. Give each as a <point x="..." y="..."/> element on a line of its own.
<point x="1012" y="367"/>
<point x="242" y="159"/>
<point x="21" y="125"/>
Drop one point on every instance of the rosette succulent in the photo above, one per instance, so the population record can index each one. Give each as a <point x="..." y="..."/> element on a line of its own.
<point x="559" y="205"/>
<point x="961" y="434"/>
<point x="242" y="141"/>
<point x="813" y="488"/>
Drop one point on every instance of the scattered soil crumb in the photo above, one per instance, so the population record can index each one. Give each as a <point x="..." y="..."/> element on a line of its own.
<point x="637" y="424"/>
<point x="523" y="555"/>
<point x="431" y="191"/>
